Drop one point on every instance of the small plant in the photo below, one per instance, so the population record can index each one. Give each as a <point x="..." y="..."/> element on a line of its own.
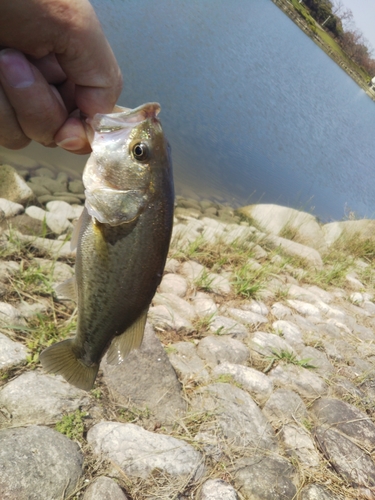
<point x="72" y="425"/>
<point x="248" y="281"/>
<point x="204" y="281"/>
<point x="291" y="358"/>
<point x="203" y="323"/>
<point x="133" y="415"/>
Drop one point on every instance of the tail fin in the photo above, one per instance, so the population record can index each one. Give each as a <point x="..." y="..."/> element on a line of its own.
<point x="61" y="359"/>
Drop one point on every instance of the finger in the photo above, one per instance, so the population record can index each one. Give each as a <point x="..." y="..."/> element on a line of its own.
<point x="11" y="134"/>
<point x="50" y="69"/>
<point x="72" y="136"/>
<point x="38" y="107"/>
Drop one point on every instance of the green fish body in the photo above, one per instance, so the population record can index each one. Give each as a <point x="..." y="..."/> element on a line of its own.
<point x="122" y="242"/>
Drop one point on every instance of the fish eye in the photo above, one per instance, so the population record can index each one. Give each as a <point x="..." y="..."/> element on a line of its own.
<point x="140" y="151"/>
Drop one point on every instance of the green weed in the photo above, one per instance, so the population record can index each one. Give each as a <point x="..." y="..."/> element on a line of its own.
<point x="72" y="425"/>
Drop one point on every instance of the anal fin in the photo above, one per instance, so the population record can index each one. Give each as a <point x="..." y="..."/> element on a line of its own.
<point x="68" y="289"/>
<point x="61" y="359"/>
<point x="127" y="341"/>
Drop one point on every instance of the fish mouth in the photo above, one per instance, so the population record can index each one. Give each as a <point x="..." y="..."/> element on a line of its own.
<point x="121" y="118"/>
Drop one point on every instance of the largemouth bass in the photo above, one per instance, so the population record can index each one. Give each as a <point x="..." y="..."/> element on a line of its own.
<point x="122" y="242"/>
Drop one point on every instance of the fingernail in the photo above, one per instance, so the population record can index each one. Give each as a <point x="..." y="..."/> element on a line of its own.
<point x="72" y="144"/>
<point x="15" y="69"/>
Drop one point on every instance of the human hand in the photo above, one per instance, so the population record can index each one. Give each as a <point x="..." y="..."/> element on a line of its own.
<point x="55" y="63"/>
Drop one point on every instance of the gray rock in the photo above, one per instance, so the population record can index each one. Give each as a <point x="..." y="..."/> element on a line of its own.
<point x="280" y="310"/>
<point x="38" y="189"/>
<point x="13" y="187"/>
<point x="318" y="492"/>
<point x="55" y="221"/>
<point x="310" y="255"/>
<point x="319" y="360"/>
<point x="186" y="362"/>
<point x="62" y="209"/>
<point x="10" y="316"/>
<point x="45" y="172"/>
<point x="8" y="268"/>
<point x="38" y="463"/>
<point x="241" y="421"/>
<point x="345" y="418"/>
<point x="11" y="353"/>
<point x="10" y="208"/>
<point x="349" y="460"/>
<point x="203" y="304"/>
<point x="217" y="489"/>
<point x="173" y="283"/>
<point x="268" y="344"/>
<point x="256" y="306"/>
<point x="255" y="382"/>
<point x="298" y="444"/>
<point x="52" y="185"/>
<point x="263" y="477"/>
<point x="139" y="452"/>
<point x="304" y="308"/>
<point x="191" y="270"/>
<point x="63" y="178"/>
<point x="285" y="406"/>
<point x="148" y="379"/>
<point x="222" y="325"/>
<point x="54" y="248"/>
<point x="67" y="197"/>
<point x="175" y="304"/>
<point x="218" y="283"/>
<point x="290" y="332"/>
<point x="215" y="350"/>
<point x="247" y="317"/>
<point x="76" y="187"/>
<point x="104" y="488"/>
<point x="36" y="398"/>
<point x="305" y="382"/>
<point x="24" y="224"/>
<point x="164" y="318"/>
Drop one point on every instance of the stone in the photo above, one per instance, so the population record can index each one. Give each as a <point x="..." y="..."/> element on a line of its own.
<point x="306" y="383"/>
<point x="67" y="197"/>
<point x="38" y="190"/>
<point x="186" y="362"/>
<point x="304" y="308"/>
<point x="349" y="460"/>
<point x="318" y="492"/>
<point x="53" y="186"/>
<point x="38" y="463"/>
<point x="241" y="421"/>
<point x="360" y="229"/>
<point x="10" y="316"/>
<point x="204" y="306"/>
<point x="256" y="306"/>
<point x="310" y="255"/>
<point x="9" y="208"/>
<point x="62" y="209"/>
<point x="139" y="452"/>
<point x="280" y="220"/>
<point x="191" y="270"/>
<point x="218" y="284"/>
<point x="8" y="268"/>
<point x="175" y="304"/>
<point x="104" y="488"/>
<point x="54" y="248"/>
<point x="298" y="444"/>
<point x="290" y="332"/>
<point x="347" y="419"/>
<point x="13" y="187"/>
<point x="76" y="186"/>
<point x="37" y="398"/>
<point x="255" y="382"/>
<point x="262" y="477"/>
<point x="221" y="325"/>
<point x="11" y="353"/>
<point x="148" y="380"/>
<point x="215" y="350"/>
<point x="319" y="360"/>
<point x="24" y="224"/>
<point x="173" y="283"/>
<point x="246" y="317"/>
<point x="280" y="310"/>
<point x="285" y="406"/>
<point x="45" y="172"/>
<point x="56" y="222"/>
<point x="217" y="489"/>
<point x="163" y="318"/>
<point x="269" y="344"/>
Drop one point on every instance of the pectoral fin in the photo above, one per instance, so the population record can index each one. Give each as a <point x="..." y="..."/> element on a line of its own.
<point x="68" y="289"/>
<point x="126" y="342"/>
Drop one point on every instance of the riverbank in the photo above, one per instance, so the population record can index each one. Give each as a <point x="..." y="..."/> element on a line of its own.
<point x="317" y="35"/>
<point x="255" y="378"/>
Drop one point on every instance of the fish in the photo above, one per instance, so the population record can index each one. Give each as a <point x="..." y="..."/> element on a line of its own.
<point x="122" y="240"/>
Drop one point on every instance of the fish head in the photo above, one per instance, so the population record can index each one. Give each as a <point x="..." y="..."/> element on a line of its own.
<point x="127" y="147"/>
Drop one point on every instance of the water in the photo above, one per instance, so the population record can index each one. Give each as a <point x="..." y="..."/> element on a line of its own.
<point x="253" y="109"/>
